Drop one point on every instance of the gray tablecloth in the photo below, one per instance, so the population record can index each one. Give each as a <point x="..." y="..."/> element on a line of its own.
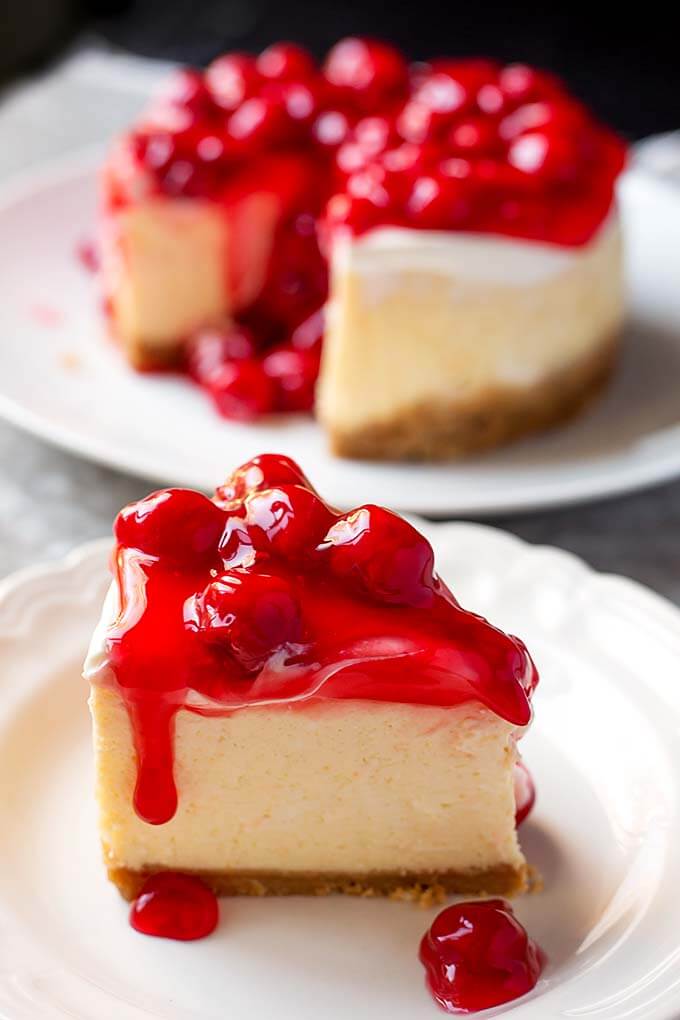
<point x="51" y="501"/>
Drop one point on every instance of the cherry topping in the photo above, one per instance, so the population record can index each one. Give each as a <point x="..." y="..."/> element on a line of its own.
<point x="545" y="154"/>
<point x="439" y="199"/>
<point x="232" y="79"/>
<point x="266" y="471"/>
<point x="521" y="83"/>
<point x="179" y="526"/>
<point x="175" y="906"/>
<point x="383" y="555"/>
<point x="285" y="61"/>
<point x="242" y="390"/>
<point x="568" y="116"/>
<point x="292" y="518"/>
<point x="253" y="615"/>
<point x="331" y="129"/>
<point x="442" y="93"/>
<point x="308" y="336"/>
<point x="525" y="792"/>
<point x="294" y="373"/>
<point x="477" y="955"/>
<point x="188" y="88"/>
<point x="211" y="348"/>
<point x="366" y="70"/>
<point x="185" y="179"/>
<point x="375" y="134"/>
<point x="258" y="123"/>
<point x="474" y="137"/>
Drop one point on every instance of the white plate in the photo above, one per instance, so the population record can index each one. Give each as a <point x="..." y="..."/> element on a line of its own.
<point x="604" y="749"/>
<point x="62" y="379"/>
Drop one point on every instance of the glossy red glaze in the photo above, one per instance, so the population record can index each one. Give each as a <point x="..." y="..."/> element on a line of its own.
<point x="477" y="955"/>
<point x="211" y="348"/>
<point x="525" y="792"/>
<point x="242" y="390"/>
<point x="175" y="906"/>
<point x="362" y="142"/>
<point x="366" y="96"/>
<point x="266" y="594"/>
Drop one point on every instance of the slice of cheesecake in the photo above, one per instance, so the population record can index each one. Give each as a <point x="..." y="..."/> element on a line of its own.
<point x="289" y="700"/>
<point x="467" y="237"/>
<point x="440" y="344"/>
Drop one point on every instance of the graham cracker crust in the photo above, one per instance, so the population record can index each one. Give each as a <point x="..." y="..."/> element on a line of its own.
<point x="150" y="357"/>
<point x="420" y="887"/>
<point x="441" y="431"/>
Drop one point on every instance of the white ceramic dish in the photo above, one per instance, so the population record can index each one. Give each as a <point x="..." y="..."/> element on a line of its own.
<point x="62" y="379"/>
<point x="604" y="750"/>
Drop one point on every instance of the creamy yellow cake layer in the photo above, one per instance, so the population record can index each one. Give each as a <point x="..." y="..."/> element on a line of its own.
<point x="164" y="271"/>
<point x="172" y="266"/>
<point x="424" y="320"/>
<point x="349" y="787"/>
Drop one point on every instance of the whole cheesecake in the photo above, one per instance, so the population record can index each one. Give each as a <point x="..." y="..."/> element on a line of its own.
<point x="428" y="254"/>
<point x="287" y="699"/>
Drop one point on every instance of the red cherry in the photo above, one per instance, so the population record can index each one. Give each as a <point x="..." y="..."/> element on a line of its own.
<point x="210" y="348"/>
<point x="300" y="101"/>
<point x="175" y="906"/>
<point x="242" y="390"/>
<point x="490" y="99"/>
<point x="294" y="373"/>
<point x="370" y="183"/>
<point x="297" y="279"/>
<point x="263" y="472"/>
<point x="477" y="955"/>
<point x="185" y="179"/>
<point x="547" y="155"/>
<point x="188" y="88"/>
<point x="155" y="150"/>
<point x="258" y="123"/>
<point x="359" y="214"/>
<point x="291" y="519"/>
<point x="232" y="79"/>
<point x="308" y="336"/>
<point x="255" y="615"/>
<point x="351" y="158"/>
<point x="331" y="129"/>
<point x="178" y="526"/>
<point x="367" y="71"/>
<point x="474" y="137"/>
<point x="522" y="84"/>
<point x="525" y="792"/>
<point x="456" y="167"/>
<point x="428" y="117"/>
<point x="406" y="159"/>
<point x="471" y="73"/>
<point x="493" y="177"/>
<point x="375" y="134"/>
<point x="610" y="153"/>
<point x="565" y="115"/>
<point x="383" y="555"/>
<point x="442" y="93"/>
<point x="439" y="201"/>
<point x="285" y="61"/>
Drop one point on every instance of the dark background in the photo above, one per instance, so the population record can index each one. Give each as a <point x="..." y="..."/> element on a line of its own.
<point x="623" y="59"/>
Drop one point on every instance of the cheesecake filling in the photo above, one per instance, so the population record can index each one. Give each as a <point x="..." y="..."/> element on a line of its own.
<point x="341" y="787"/>
<point x="494" y="317"/>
